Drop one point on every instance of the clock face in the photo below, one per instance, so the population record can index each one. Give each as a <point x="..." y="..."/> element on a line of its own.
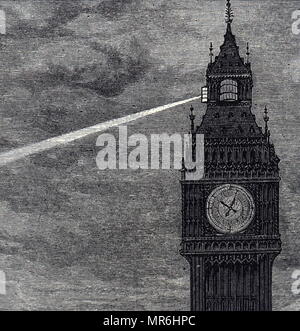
<point x="230" y="209"/>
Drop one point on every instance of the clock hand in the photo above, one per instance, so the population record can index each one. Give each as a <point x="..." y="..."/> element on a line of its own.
<point x="224" y="204"/>
<point x="233" y="201"/>
<point x="228" y="212"/>
<point x="229" y="208"/>
<point x="231" y="205"/>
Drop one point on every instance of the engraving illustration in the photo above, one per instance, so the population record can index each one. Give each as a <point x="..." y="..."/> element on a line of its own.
<point x="149" y="158"/>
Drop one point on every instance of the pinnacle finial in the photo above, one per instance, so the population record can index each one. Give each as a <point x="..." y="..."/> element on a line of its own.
<point x="248" y="53"/>
<point x="229" y="13"/>
<point x="266" y="119"/>
<point x="211" y="54"/>
<point x="192" y="118"/>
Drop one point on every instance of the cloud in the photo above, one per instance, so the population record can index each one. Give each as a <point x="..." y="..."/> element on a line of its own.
<point x="120" y="70"/>
<point x="65" y="11"/>
<point x="32" y="191"/>
<point x="103" y="68"/>
<point x="6" y="144"/>
<point x="46" y="19"/>
<point x="71" y="85"/>
<point x="58" y="161"/>
<point x="112" y="9"/>
<point x="42" y="18"/>
<point x="63" y="249"/>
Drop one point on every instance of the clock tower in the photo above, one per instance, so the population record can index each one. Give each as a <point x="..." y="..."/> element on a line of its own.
<point x="230" y="217"/>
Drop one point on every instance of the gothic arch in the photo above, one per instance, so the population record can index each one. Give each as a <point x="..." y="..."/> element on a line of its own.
<point x="253" y="156"/>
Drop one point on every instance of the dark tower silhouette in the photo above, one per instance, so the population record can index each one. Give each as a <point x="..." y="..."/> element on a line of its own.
<point x="230" y="217"/>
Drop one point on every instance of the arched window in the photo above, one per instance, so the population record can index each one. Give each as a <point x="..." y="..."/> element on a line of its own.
<point x="222" y="154"/>
<point x="236" y="156"/>
<point x="229" y="90"/>
<point x="214" y="156"/>
<point x="253" y="156"/>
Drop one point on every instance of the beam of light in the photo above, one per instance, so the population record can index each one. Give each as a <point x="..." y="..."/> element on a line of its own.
<point x="19" y="153"/>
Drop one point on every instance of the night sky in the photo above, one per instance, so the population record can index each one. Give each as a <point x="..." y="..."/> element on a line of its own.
<point x="73" y="237"/>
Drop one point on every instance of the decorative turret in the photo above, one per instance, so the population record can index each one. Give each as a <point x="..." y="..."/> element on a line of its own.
<point x="248" y="54"/>
<point x="192" y="118"/>
<point x="266" y="119"/>
<point x="235" y="145"/>
<point x="211" y="54"/>
<point x="193" y="132"/>
<point x="229" y="77"/>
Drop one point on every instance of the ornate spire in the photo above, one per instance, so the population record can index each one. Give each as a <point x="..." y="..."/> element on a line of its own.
<point x="248" y="53"/>
<point x="211" y="54"/>
<point x="192" y="118"/>
<point x="229" y="13"/>
<point x="193" y="133"/>
<point x="266" y="119"/>
<point x="226" y="60"/>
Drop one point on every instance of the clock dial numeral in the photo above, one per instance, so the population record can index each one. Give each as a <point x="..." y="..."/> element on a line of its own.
<point x="230" y="209"/>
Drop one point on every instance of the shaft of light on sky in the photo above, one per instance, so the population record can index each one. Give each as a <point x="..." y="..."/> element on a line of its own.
<point x="19" y="153"/>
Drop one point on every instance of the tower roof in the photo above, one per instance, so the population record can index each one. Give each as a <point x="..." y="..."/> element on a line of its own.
<point x="229" y="60"/>
<point x="233" y="121"/>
